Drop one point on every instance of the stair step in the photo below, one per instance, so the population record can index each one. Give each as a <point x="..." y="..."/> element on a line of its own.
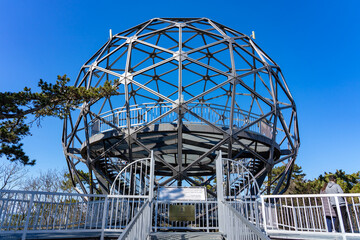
<point x="185" y="235"/>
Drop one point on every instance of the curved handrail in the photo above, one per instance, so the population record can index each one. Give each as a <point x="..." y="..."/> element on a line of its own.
<point x="112" y="189"/>
<point x="142" y="114"/>
<point x="240" y="174"/>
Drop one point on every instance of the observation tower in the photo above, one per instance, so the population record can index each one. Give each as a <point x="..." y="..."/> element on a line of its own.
<point x="187" y="88"/>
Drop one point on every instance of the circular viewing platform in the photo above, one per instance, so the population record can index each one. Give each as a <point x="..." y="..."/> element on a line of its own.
<point x="203" y="126"/>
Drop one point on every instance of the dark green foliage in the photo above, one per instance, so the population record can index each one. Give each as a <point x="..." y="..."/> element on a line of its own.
<point x="350" y="183"/>
<point x="55" y="100"/>
<point x="11" y="133"/>
<point x="68" y="184"/>
<point x="296" y="176"/>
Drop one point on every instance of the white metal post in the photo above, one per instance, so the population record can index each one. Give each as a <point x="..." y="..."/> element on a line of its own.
<point x="341" y="221"/>
<point x="220" y="191"/>
<point x="219" y="178"/>
<point x="105" y="210"/>
<point x="263" y="213"/>
<point x="151" y="185"/>
<point x="207" y="216"/>
<point x="151" y="188"/>
<point x="28" y="217"/>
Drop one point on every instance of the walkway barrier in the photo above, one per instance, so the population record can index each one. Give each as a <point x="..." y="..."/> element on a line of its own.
<point x="206" y="216"/>
<point x="39" y="212"/>
<point x="27" y="212"/>
<point x="239" y="206"/>
<point x="237" y="226"/>
<point x="120" y="211"/>
<point x="142" y="114"/>
<point x="305" y="214"/>
<point x="140" y="226"/>
<point x="250" y="208"/>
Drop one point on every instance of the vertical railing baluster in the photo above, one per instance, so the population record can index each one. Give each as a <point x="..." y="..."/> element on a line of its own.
<point x="28" y="217"/>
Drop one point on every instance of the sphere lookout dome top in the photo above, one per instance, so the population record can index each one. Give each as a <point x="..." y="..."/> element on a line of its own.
<point x="186" y="89"/>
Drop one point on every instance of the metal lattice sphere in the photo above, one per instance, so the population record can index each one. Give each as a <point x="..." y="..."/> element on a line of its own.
<point x="186" y="89"/>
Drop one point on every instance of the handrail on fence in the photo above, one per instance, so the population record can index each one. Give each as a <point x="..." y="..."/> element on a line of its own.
<point x="140" y="225"/>
<point x="142" y="114"/>
<point x="312" y="213"/>
<point x="205" y="216"/>
<point x="237" y="226"/>
<point x="24" y="212"/>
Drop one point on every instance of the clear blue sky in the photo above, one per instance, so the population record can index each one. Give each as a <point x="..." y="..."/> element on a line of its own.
<point x="316" y="43"/>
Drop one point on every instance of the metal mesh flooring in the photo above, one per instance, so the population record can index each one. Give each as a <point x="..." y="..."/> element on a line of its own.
<point x="185" y="236"/>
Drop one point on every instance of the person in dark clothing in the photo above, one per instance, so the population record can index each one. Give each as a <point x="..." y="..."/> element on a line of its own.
<point x="333" y="188"/>
<point x="329" y="211"/>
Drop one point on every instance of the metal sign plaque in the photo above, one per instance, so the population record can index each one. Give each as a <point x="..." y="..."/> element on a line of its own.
<point x="182" y="193"/>
<point x="182" y="213"/>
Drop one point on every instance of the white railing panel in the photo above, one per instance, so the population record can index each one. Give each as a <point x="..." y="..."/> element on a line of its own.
<point x="306" y="213"/>
<point x="49" y="211"/>
<point x="121" y="211"/>
<point x="140" y="115"/>
<point x="238" y="181"/>
<point x="133" y="180"/>
<point x="206" y="216"/>
<point x="140" y="226"/>
<point x="250" y="209"/>
<point x="237" y="226"/>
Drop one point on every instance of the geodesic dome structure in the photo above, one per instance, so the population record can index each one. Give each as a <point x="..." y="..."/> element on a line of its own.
<point x="186" y="89"/>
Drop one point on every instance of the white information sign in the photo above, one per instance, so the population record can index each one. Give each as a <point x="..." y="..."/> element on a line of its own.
<point x="182" y="193"/>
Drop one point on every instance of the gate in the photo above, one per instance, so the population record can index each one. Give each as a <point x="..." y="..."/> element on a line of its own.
<point x="238" y="199"/>
<point x="130" y="199"/>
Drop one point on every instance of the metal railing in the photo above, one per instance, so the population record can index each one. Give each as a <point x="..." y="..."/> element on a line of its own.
<point x="142" y="114"/>
<point x="206" y="216"/>
<point x="36" y="212"/>
<point x="237" y="215"/>
<point x="20" y="210"/>
<point x="140" y="226"/>
<point x="250" y="209"/>
<point x="306" y="214"/>
<point x="239" y="209"/>
<point x="134" y="179"/>
<point x="235" y="226"/>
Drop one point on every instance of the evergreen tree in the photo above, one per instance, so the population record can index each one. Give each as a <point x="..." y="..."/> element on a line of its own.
<point x="19" y="110"/>
<point x="350" y="183"/>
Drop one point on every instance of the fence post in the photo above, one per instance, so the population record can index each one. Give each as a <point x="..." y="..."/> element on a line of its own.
<point x="28" y="216"/>
<point x="151" y="184"/>
<point x="294" y="218"/>
<point x="341" y="221"/>
<point x="220" y="190"/>
<point x="219" y="178"/>
<point x="207" y="215"/>
<point x="263" y="213"/>
<point x="151" y="188"/>
<point x="104" y="218"/>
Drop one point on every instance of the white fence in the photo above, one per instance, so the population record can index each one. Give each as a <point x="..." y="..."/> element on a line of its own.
<point x="235" y="226"/>
<point x="132" y="206"/>
<point x="239" y="216"/>
<point x="140" y="226"/>
<point x="144" y="113"/>
<point x="250" y="209"/>
<point x="205" y="219"/>
<point x="306" y="214"/>
<point x="37" y="212"/>
<point x="49" y="211"/>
